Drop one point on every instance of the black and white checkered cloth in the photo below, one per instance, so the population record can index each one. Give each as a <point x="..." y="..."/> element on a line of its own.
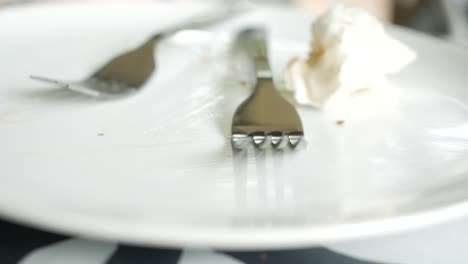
<point x="25" y="245"/>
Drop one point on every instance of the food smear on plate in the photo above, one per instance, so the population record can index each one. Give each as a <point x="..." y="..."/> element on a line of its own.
<point x="351" y="54"/>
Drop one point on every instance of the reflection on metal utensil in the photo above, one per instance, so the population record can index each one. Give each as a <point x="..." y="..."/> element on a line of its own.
<point x="260" y="187"/>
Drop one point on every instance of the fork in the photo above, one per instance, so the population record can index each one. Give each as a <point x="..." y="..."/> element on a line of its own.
<point x="265" y="117"/>
<point x="128" y="72"/>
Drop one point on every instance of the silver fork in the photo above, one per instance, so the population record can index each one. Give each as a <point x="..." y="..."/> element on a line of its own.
<point x="128" y="72"/>
<point x="265" y="117"/>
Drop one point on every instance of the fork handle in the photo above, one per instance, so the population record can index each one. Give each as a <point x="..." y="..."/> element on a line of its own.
<point x="254" y="41"/>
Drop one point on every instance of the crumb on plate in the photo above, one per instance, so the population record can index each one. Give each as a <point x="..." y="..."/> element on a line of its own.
<point x="244" y="83"/>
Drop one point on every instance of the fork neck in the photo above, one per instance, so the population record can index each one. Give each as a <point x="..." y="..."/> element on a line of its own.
<point x="254" y="41"/>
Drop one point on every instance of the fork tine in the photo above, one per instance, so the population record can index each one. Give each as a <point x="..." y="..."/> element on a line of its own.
<point x="240" y="141"/>
<point x="260" y="140"/>
<point x="276" y="139"/>
<point x="84" y="90"/>
<point x="295" y="140"/>
<point x="279" y="141"/>
<point x="264" y="143"/>
<point x="74" y="87"/>
<point x="48" y="80"/>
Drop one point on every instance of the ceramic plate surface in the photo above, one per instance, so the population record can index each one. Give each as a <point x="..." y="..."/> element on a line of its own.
<point x="157" y="168"/>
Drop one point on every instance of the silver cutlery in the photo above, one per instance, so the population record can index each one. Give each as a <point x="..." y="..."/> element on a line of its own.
<point x="265" y="118"/>
<point x="128" y="72"/>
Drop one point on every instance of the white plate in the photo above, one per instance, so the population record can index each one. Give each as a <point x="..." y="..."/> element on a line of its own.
<point x="157" y="168"/>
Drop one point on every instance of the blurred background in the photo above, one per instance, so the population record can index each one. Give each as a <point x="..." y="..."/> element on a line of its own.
<point x="442" y="18"/>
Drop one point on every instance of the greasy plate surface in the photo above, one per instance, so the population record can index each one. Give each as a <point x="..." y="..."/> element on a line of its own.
<point x="157" y="168"/>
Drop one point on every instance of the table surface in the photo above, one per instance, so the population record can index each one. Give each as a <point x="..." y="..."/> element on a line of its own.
<point x="26" y="245"/>
<point x="440" y="244"/>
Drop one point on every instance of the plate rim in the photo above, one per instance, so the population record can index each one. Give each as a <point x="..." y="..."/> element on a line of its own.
<point x="232" y="238"/>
